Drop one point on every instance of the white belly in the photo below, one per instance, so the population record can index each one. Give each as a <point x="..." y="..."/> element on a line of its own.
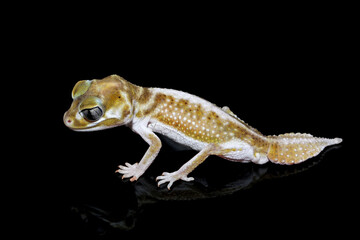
<point x="177" y="136"/>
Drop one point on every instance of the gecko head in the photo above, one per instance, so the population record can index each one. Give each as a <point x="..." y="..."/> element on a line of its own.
<point x="100" y="104"/>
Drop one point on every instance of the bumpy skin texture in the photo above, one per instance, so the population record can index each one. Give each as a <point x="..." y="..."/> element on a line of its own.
<point x="186" y="119"/>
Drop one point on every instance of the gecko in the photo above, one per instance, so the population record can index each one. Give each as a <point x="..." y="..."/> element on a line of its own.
<point x="186" y="119"/>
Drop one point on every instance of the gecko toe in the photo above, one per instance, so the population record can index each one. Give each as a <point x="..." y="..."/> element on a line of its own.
<point x="169" y="185"/>
<point x="187" y="179"/>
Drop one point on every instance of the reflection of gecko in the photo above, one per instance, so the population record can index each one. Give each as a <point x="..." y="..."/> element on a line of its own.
<point x="184" y="118"/>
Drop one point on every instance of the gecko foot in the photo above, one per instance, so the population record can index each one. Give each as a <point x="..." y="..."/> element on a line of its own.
<point x="130" y="170"/>
<point x="171" y="178"/>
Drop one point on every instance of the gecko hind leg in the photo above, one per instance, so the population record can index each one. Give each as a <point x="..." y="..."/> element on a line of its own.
<point x="186" y="168"/>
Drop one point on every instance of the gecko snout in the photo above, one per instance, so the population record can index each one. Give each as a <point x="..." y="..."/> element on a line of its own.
<point x="67" y="120"/>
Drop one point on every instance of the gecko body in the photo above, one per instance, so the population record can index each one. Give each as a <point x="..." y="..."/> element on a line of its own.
<point x="184" y="118"/>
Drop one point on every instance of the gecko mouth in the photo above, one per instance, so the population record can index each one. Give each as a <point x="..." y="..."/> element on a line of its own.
<point x="87" y="129"/>
<point x="96" y="126"/>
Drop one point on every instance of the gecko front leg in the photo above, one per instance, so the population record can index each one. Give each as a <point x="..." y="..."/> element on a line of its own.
<point x="134" y="171"/>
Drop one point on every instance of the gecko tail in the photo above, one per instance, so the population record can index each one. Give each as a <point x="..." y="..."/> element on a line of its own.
<point x="292" y="148"/>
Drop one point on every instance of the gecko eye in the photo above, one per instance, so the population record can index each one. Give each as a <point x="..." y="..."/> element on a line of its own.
<point x="92" y="114"/>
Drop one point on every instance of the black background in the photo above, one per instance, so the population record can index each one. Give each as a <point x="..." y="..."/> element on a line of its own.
<point x="279" y="70"/>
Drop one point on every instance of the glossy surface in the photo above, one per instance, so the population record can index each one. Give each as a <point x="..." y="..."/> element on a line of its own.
<point x="292" y="68"/>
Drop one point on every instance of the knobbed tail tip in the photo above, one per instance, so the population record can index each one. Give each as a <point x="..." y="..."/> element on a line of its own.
<point x="292" y="148"/>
